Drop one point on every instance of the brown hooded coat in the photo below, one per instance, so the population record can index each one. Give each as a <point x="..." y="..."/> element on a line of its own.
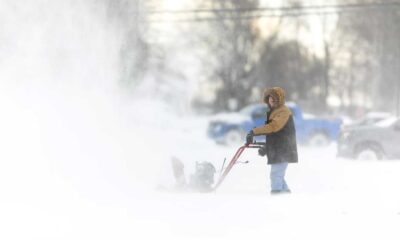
<point x="279" y="128"/>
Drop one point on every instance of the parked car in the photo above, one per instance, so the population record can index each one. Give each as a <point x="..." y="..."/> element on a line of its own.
<point x="231" y="128"/>
<point x="376" y="141"/>
<point x="369" y="119"/>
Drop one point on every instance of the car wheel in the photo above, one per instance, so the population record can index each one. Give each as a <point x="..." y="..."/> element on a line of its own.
<point x="234" y="137"/>
<point x="319" y="140"/>
<point x="369" y="154"/>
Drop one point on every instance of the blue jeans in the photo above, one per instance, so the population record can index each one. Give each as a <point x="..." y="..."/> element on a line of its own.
<point x="277" y="177"/>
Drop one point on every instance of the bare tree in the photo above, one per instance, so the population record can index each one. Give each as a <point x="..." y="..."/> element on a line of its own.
<point x="292" y="66"/>
<point x="372" y="35"/>
<point x="232" y="45"/>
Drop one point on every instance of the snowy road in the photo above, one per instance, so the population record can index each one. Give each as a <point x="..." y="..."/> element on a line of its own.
<point x="332" y="199"/>
<point x="97" y="185"/>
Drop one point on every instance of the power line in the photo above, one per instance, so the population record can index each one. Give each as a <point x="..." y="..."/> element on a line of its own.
<point x="295" y="11"/>
<point x="208" y="19"/>
<point x="281" y="9"/>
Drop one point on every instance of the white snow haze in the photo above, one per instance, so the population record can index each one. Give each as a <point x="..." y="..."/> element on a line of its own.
<point x="80" y="158"/>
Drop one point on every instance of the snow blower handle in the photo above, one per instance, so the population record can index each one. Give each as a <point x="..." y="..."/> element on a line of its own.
<point x="262" y="148"/>
<point x="234" y="160"/>
<point x="230" y="165"/>
<point x="256" y="145"/>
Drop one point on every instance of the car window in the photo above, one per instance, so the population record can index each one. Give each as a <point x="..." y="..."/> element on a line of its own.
<point x="370" y="121"/>
<point x="259" y="112"/>
<point x="247" y="110"/>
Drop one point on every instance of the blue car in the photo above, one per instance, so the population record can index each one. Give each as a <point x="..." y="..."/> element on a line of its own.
<point x="231" y="128"/>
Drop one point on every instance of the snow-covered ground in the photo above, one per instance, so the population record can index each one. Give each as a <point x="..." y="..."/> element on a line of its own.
<point x="96" y="177"/>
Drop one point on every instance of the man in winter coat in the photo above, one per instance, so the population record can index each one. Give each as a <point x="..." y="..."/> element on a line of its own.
<point x="279" y="128"/>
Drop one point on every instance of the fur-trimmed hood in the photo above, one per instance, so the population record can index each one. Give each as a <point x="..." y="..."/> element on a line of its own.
<point x="277" y="93"/>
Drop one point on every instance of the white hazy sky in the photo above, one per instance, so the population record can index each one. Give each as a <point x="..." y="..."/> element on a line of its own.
<point x="312" y="37"/>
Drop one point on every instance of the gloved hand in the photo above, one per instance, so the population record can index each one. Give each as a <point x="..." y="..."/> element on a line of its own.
<point x="249" y="137"/>
<point x="262" y="151"/>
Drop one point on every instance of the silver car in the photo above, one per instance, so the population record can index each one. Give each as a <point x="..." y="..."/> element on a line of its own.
<point x="377" y="141"/>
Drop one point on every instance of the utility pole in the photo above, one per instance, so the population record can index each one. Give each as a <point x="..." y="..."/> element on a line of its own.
<point x="398" y="89"/>
<point x="398" y="81"/>
<point x="327" y="59"/>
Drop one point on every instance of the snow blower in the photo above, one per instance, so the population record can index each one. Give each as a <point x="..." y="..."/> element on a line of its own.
<point x="202" y="179"/>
